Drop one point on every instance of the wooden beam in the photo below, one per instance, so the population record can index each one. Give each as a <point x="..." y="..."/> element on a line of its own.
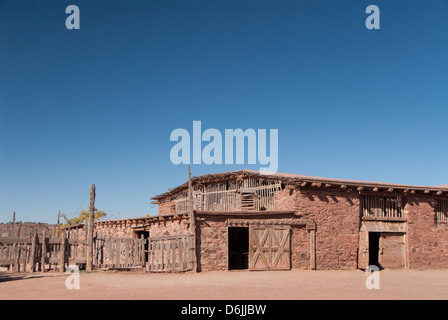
<point x="192" y="219"/>
<point x="312" y="249"/>
<point x="375" y="189"/>
<point x="390" y="190"/>
<point x="90" y="230"/>
<point x="360" y="188"/>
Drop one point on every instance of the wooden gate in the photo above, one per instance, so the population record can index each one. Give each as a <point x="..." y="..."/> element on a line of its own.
<point x="40" y="253"/>
<point x="392" y="250"/>
<point x="119" y="253"/>
<point x="170" y="253"/>
<point x="269" y="248"/>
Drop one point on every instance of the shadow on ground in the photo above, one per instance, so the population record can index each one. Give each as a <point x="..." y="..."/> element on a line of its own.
<point x="7" y="277"/>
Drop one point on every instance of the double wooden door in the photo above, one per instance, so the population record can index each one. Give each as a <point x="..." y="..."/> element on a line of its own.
<point x="269" y="247"/>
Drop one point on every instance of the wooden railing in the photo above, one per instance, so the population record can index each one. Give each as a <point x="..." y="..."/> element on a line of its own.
<point x="41" y="253"/>
<point x="380" y="206"/>
<point x="119" y="253"/>
<point x="170" y="253"/>
<point x="441" y="209"/>
<point x="252" y="197"/>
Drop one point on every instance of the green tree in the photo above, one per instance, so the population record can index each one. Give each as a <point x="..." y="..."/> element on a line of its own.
<point x="83" y="217"/>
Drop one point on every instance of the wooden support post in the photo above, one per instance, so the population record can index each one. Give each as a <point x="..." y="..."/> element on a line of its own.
<point x="312" y="230"/>
<point x="90" y="230"/>
<point x="44" y="251"/>
<point x="33" y="253"/>
<point x="13" y="224"/>
<point x="58" y="226"/>
<point x="63" y="253"/>
<point x="192" y="219"/>
<point x="143" y="250"/>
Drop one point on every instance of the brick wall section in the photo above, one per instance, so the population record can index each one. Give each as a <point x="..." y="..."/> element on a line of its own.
<point x="170" y="227"/>
<point x="212" y="244"/>
<point x="118" y="230"/>
<point x="300" y="248"/>
<point x="336" y="214"/>
<point x="167" y="207"/>
<point x="213" y="247"/>
<point x="427" y="243"/>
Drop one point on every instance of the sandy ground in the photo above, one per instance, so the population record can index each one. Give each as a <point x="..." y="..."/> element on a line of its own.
<point x="287" y="285"/>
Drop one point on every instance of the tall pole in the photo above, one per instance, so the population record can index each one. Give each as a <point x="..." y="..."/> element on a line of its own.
<point x="192" y="219"/>
<point x="90" y="229"/>
<point x="13" y="224"/>
<point x="57" y="226"/>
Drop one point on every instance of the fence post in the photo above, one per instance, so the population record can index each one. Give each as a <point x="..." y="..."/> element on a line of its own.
<point x="90" y="229"/>
<point x="44" y="251"/>
<point x="33" y="253"/>
<point x="63" y="253"/>
<point x="143" y="251"/>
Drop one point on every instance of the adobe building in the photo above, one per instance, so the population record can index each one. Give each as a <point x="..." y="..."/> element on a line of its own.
<point x="249" y="220"/>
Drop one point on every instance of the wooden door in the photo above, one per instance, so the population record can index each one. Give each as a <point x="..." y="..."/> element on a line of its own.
<point x="363" y="250"/>
<point x="392" y="250"/>
<point x="269" y="248"/>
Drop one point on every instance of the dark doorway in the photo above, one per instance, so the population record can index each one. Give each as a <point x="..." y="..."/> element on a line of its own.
<point x="238" y="248"/>
<point x="138" y="234"/>
<point x="374" y="248"/>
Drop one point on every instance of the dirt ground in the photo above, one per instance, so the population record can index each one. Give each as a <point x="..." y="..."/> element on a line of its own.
<point x="238" y="285"/>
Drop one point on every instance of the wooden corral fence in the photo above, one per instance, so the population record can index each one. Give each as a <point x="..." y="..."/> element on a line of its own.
<point x="119" y="253"/>
<point x="170" y="253"/>
<point x="41" y="253"/>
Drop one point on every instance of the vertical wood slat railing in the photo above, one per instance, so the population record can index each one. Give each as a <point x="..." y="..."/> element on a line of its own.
<point x="441" y="209"/>
<point x="119" y="253"/>
<point x="40" y="253"/>
<point x="381" y="206"/>
<point x="229" y="197"/>
<point x="170" y="253"/>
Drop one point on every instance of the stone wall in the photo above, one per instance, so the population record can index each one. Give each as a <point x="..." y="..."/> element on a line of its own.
<point x="427" y="242"/>
<point x="170" y="227"/>
<point x="336" y="214"/>
<point x="167" y="207"/>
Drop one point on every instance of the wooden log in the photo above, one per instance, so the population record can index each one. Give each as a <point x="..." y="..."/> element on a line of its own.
<point x="33" y="253"/>
<point x="90" y="231"/>
<point x="62" y="253"/>
<point x="44" y="251"/>
<point x="192" y="218"/>
<point x="312" y="249"/>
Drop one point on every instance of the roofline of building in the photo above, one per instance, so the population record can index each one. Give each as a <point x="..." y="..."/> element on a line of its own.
<point x="297" y="179"/>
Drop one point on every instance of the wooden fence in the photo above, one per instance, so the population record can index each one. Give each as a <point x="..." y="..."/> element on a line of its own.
<point x="170" y="254"/>
<point x="40" y="253"/>
<point x="119" y="253"/>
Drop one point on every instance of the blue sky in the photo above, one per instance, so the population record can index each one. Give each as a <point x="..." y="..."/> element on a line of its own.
<point x="98" y="104"/>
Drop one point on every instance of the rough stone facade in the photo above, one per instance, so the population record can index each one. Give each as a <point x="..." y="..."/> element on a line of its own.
<point x="336" y="214"/>
<point x="331" y="232"/>
<point x="427" y="242"/>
